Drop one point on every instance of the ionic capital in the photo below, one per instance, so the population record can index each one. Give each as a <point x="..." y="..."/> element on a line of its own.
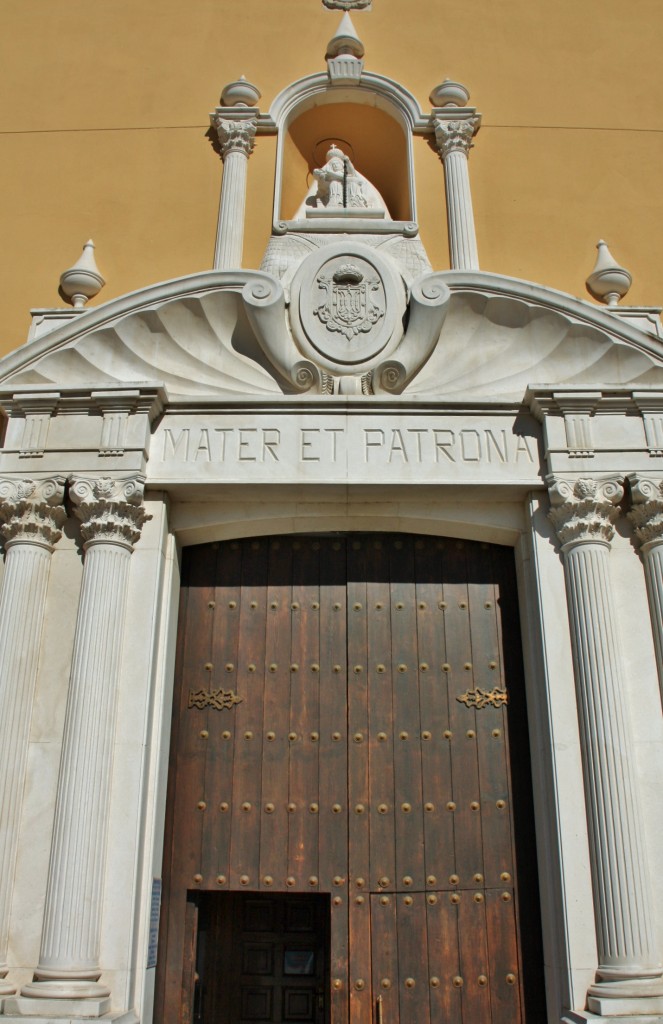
<point x="31" y="511"/>
<point x="584" y="509"/>
<point x="455" y="136"/>
<point x="235" y="136"/>
<point x="647" y="511"/>
<point x="110" y="509"/>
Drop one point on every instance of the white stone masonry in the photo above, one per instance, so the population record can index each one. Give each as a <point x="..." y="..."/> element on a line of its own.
<point x="647" y="518"/>
<point x="237" y="139"/>
<point x="112" y="516"/>
<point x="454" y="141"/>
<point x="32" y="514"/>
<point x="629" y="973"/>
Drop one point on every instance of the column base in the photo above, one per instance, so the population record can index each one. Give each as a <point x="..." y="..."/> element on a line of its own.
<point x="78" y="1009"/>
<point x="627" y="997"/>
<point x="586" y="1017"/>
<point x="121" y="1017"/>
<point x="20" y="1007"/>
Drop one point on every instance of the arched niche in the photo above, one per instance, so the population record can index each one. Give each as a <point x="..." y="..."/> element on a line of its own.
<point x="374" y="141"/>
<point x="373" y="122"/>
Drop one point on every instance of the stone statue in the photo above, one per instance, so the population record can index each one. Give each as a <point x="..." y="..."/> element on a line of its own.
<point x="338" y="185"/>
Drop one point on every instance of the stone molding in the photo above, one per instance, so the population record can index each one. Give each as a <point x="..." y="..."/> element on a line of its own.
<point x="455" y="136"/>
<point x="236" y="135"/>
<point x="584" y="509"/>
<point x="109" y="508"/>
<point x="31" y="511"/>
<point x="347" y="5"/>
<point x="646" y="514"/>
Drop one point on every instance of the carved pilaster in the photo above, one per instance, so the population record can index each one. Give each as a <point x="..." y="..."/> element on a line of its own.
<point x="454" y="141"/>
<point x="112" y="516"/>
<point x="31" y="513"/>
<point x="647" y="517"/>
<point x="628" y="978"/>
<point x="236" y="136"/>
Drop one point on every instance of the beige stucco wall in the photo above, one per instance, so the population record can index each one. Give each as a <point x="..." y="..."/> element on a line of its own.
<point x="103" y="114"/>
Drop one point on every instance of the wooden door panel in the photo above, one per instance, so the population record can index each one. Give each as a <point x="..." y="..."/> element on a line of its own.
<point x="276" y="717"/>
<point x="303" y="783"/>
<point x="341" y="726"/>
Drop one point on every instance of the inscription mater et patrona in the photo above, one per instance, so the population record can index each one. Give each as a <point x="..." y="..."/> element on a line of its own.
<point x="350" y="443"/>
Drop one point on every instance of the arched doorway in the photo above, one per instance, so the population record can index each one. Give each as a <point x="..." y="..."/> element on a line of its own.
<point x="350" y="750"/>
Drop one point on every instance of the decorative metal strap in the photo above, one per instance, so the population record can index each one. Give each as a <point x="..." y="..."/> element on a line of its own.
<point x="478" y="698"/>
<point x="217" y="699"/>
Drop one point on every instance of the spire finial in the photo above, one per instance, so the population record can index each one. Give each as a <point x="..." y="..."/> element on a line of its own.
<point x="82" y="281"/>
<point x="345" y="41"/>
<point x="608" y="282"/>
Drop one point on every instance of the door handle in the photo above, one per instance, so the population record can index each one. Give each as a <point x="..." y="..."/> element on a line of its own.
<point x="378" y="1010"/>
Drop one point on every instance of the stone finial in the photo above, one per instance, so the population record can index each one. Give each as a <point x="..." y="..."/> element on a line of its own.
<point x="240" y="94"/>
<point x="449" y="94"/>
<point x="82" y="281"/>
<point x="345" y="41"/>
<point x="608" y="282"/>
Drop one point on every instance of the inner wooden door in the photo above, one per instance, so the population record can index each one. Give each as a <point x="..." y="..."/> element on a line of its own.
<point x="349" y="719"/>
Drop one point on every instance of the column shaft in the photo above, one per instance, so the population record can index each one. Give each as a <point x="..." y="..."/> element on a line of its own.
<point x="70" y="938"/>
<point x="460" y="215"/>
<point x="232" y="209"/>
<point x="21" y="618"/>
<point x="622" y="892"/>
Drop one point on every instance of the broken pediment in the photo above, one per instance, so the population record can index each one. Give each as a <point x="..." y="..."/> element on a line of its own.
<point x="349" y="316"/>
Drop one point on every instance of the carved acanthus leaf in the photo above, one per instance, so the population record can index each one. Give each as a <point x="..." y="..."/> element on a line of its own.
<point x="110" y="509"/>
<point x="31" y="510"/>
<point x="455" y="136"/>
<point x="584" y="509"/>
<point x="647" y="511"/>
<point x="235" y="136"/>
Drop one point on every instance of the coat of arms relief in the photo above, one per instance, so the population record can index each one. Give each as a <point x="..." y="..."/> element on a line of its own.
<point x="343" y="318"/>
<point x="348" y="307"/>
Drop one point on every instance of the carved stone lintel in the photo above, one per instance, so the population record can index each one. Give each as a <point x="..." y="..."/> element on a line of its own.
<point x="31" y="511"/>
<point x="584" y="509"/>
<point x="647" y="511"/>
<point x="110" y="509"/>
<point x="455" y="136"/>
<point x="235" y="136"/>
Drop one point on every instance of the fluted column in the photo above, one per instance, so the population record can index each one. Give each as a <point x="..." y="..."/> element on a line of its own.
<point x="647" y="518"/>
<point x="31" y="513"/>
<point x="629" y="973"/>
<point x="454" y="141"/>
<point x="112" y="516"/>
<point x="236" y="139"/>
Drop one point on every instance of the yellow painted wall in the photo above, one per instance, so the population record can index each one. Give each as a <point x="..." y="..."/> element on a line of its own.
<point x="103" y="115"/>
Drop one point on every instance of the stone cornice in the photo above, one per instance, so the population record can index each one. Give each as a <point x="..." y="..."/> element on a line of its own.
<point x="584" y="509"/>
<point x="236" y="134"/>
<point x="110" y="509"/>
<point x="646" y="514"/>
<point x="31" y="511"/>
<point x="455" y="136"/>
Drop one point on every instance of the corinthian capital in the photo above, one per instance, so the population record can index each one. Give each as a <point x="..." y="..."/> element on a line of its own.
<point x="647" y="511"/>
<point x="455" y="136"/>
<point x="584" y="509"/>
<point x="110" y="508"/>
<point x="235" y="136"/>
<point x="31" y="511"/>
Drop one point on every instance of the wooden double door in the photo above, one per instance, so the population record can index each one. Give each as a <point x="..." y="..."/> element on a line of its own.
<point x="349" y="722"/>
